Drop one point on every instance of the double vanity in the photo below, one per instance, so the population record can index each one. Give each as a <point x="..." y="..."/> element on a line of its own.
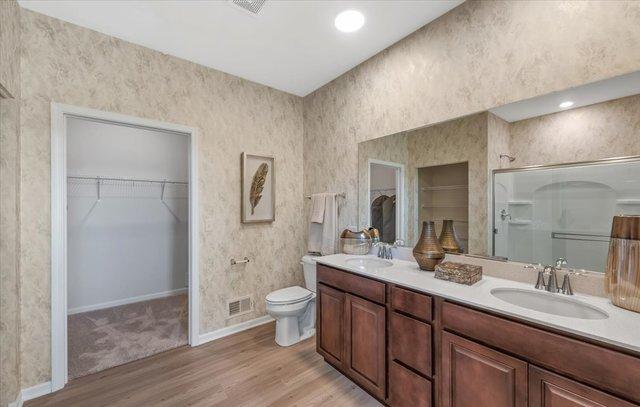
<point x="410" y="339"/>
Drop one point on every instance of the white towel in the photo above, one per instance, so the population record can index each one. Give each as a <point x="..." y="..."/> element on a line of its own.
<point x="323" y="237"/>
<point x="317" y="208"/>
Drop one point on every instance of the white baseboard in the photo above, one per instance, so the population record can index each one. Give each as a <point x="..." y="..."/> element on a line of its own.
<point x="30" y="393"/>
<point x="125" y="301"/>
<point x="230" y="330"/>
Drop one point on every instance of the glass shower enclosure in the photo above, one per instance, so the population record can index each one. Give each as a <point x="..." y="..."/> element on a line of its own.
<point x="544" y="213"/>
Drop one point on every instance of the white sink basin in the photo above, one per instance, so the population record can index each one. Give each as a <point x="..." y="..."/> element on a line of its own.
<point x="549" y="303"/>
<point x="368" y="263"/>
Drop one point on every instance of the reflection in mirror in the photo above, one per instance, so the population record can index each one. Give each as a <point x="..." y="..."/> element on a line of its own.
<point x="448" y="175"/>
<point x="542" y="214"/>
<point x="444" y="195"/>
<point x="385" y="186"/>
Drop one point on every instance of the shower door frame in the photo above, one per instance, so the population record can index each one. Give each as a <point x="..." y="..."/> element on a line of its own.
<point x="59" y="113"/>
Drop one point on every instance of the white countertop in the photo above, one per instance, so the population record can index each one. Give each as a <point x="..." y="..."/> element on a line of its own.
<point x="622" y="328"/>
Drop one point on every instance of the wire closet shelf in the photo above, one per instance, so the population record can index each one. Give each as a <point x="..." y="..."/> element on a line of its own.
<point x="100" y="187"/>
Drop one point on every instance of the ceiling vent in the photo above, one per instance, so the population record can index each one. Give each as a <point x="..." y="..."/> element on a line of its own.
<point x="239" y="306"/>
<point x="250" y="6"/>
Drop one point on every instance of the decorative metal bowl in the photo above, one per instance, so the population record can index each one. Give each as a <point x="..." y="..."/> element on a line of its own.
<point x="355" y="242"/>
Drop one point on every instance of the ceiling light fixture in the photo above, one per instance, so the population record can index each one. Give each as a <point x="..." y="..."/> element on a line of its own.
<point x="349" y="21"/>
<point x="565" y="105"/>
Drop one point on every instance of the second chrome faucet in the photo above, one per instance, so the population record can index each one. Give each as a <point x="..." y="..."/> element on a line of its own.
<point x="551" y="283"/>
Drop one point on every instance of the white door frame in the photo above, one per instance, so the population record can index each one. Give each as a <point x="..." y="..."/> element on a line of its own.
<point x="59" y="112"/>
<point x="400" y="210"/>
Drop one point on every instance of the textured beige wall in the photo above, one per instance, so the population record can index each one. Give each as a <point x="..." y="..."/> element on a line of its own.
<point x="9" y="196"/>
<point x="480" y="55"/>
<point x="65" y="63"/>
<point x="604" y="130"/>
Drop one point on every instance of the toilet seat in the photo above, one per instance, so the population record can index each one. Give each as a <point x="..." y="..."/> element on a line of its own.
<point x="289" y="295"/>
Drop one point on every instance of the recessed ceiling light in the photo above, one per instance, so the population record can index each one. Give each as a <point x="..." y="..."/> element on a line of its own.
<point x="566" y="104"/>
<point x="349" y="21"/>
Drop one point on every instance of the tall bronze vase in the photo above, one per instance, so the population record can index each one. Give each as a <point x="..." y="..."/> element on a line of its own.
<point x="448" y="238"/>
<point x="428" y="252"/>
<point x="622" y="275"/>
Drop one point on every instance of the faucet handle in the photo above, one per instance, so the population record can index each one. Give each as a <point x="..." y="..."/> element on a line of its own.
<point x="566" y="284"/>
<point x="398" y="243"/>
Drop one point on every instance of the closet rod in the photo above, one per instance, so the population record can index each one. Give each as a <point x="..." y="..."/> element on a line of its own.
<point x="130" y="180"/>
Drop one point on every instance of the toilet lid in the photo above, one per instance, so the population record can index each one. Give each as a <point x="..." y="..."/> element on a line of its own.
<point x="289" y="294"/>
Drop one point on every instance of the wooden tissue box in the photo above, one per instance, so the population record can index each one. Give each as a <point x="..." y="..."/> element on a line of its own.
<point x="459" y="272"/>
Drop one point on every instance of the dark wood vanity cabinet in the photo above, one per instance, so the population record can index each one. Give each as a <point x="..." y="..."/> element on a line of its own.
<point x="330" y="310"/>
<point x="547" y="389"/>
<point x="351" y="329"/>
<point x="475" y="375"/>
<point x="407" y="348"/>
<point x="365" y="341"/>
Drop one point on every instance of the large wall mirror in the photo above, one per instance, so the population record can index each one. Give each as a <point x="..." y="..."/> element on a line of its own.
<point x="507" y="177"/>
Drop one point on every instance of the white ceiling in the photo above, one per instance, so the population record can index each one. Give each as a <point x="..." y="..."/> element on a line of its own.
<point x="589" y="94"/>
<point x="290" y="45"/>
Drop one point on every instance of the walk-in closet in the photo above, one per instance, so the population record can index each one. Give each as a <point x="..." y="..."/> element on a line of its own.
<point x="127" y="243"/>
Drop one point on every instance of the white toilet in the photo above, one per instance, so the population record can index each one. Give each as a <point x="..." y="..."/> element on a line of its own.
<point x="294" y="308"/>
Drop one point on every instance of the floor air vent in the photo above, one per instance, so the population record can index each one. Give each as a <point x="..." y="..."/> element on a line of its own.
<point x="239" y="306"/>
<point x="251" y="6"/>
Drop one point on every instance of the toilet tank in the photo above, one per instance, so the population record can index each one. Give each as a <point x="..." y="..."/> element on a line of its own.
<point x="309" y="269"/>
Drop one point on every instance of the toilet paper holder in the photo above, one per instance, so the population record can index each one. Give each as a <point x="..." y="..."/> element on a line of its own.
<point x="245" y="260"/>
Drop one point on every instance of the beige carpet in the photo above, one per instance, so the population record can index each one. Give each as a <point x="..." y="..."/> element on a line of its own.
<point x="113" y="336"/>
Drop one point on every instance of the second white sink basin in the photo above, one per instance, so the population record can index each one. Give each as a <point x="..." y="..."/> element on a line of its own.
<point x="368" y="263"/>
<point x="549" y="303"/>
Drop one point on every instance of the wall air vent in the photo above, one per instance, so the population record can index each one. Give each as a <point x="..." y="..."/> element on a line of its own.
<point x="250" y="6"/>
<point x="239" y="306"/>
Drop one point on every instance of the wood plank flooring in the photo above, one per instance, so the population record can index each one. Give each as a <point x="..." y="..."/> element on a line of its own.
<point x="246" y="369"/>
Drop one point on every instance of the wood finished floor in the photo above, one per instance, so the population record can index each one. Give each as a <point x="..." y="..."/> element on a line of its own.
<point x="246" y="369"/>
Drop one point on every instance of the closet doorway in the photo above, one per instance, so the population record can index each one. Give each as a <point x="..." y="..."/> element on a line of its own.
<point x="124" y="236"/>
<point x="386" y="186"/>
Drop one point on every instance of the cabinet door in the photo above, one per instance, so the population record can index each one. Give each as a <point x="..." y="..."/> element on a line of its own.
<point x="551" y="390"/>
<point x="474" y="375"/>
<point x="330" y="313"/>
<point x="366" y="344"/>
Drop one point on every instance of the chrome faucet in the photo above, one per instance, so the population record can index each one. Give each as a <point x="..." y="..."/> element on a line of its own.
<point x="384" y="251"/>
<point x="551" y="284"/>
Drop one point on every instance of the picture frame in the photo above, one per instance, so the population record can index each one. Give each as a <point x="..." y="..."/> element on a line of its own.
<point x="258" y="188"/>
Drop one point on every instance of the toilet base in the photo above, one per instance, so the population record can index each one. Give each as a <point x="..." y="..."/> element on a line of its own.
<point x="288" y="332"/>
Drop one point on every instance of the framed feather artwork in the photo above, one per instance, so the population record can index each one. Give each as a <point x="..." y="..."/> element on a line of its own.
<point x="258" y="189"/>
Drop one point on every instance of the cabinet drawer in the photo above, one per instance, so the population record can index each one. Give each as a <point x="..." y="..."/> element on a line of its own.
<point x="411" y="343"/>
<point x="345" y="281"/>
<point x="407" y="388"/>
<point x="412" y="303"/>
<point x="601" y="367"/>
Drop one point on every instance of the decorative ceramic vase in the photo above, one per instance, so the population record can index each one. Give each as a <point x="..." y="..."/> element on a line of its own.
<point x="448" y="238"/>
<point x="622" y="275"/>
<point x="428" y="252"/>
